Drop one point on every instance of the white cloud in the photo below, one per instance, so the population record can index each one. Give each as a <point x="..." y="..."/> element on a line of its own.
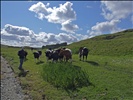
<point x="40" y="9"/>
<point x="107" y="26"/>
<point x="62" y="14"/>
<point x="22" y="36"/>
<point x="113" y="12"/>
<point x="68" y="27"/>
<point x="116" y="9"/>
<point x="67" y="37"/>
<point x="16" y="30"/>
<point x="81" y="37"/>
<point x="104" y="27"/>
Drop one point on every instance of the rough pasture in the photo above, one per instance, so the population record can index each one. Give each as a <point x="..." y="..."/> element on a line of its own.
<point x="111" y="77"/>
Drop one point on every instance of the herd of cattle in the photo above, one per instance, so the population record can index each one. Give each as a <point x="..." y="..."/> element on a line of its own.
<point x="61" y="54"/>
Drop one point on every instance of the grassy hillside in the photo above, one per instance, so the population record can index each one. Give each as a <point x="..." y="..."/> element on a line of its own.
<point x="116" y="44"/>
<point x="112" y="77"/>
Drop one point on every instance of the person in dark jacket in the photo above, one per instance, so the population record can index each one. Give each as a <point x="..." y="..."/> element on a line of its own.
<point x="21" y="54"/>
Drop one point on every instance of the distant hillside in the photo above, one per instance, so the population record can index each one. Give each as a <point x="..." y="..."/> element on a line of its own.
<point x="116" y="44"/>
<point x="53" y="46"/>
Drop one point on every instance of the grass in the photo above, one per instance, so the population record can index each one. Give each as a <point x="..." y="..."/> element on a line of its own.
<point x="121" y="44"/>
<point x="65" y="76"/>
<point x="112" y="77"/>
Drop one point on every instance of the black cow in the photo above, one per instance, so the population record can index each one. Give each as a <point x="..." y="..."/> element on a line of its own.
<point x="83" y="51"/>
<point x="52" y="55"/>
<point x="37" y="54"/>
<point x="55" y="55"/>
<point x="60" y="57"/>
<point x="40" y="53"/>
<point x="48" y="54"/>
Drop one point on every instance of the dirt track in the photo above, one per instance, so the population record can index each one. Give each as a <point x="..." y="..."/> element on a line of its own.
<point x="10" y="86"/>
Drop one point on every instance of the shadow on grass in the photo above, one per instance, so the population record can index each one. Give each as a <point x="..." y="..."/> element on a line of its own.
<point x="40" y="62"/>
<point x="23" y="73"/>
<point x="77" y="67"/>
<point x="93" y="63"/>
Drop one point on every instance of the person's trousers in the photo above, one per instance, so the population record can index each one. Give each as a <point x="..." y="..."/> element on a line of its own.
<point x="21" y="63"/>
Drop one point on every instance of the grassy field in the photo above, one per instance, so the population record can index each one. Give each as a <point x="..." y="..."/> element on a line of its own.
<point x="108" y="70"/>
<point x="112" y="77"/>
<point x="109" y="45"/>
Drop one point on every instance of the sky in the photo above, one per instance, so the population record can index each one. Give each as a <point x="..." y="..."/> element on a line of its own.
<point x="40" y="23"/>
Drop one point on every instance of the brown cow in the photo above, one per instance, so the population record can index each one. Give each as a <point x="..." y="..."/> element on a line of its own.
<point x="67" y="54"/>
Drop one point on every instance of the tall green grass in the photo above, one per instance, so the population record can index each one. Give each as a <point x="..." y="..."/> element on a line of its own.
<point x="65" y="76"/>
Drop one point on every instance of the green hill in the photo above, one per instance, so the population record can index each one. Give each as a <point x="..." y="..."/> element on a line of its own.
<point x="116" y="44"/>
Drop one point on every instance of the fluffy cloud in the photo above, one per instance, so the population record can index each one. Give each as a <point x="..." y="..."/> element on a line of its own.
<point x="68" y="27"/>
<point x="22" y="36"/>
<point x="116" y="10"/>
<point x="113" y="12"/>
<point x="62" y="14"/>
<point x="16" y="30"/>
<point x="40" y="9"/>
<point x="106" y="27"/>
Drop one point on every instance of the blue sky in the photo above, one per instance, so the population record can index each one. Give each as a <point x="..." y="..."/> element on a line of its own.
<point x="37" y="23"/>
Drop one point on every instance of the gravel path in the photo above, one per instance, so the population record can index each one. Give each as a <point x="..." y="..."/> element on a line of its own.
<point x="10" y="87"/>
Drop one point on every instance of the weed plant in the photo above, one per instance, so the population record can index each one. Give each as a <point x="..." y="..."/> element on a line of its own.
<point x="65" y="75"/>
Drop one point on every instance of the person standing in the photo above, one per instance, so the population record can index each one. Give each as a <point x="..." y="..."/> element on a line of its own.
<point x="21" y="54"/>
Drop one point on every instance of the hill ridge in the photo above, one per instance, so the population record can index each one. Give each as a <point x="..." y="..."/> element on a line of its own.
<point x="115" y="44"/>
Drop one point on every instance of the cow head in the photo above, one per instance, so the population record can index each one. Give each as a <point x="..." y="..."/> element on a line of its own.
<point x="48" y="54"/>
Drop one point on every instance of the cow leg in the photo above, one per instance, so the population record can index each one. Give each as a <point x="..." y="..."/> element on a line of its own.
<point x="38" y="59"/>
<point x="35" y="59"/>
<point x="83" y="57"/>
<point x="86" y="57"/>
<point x="64" y="58"/>
<point x="71" y="60"/>
<point x="52" y="60"/>
<point x="47" y="59"/>
<point x="80" y="57"/>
